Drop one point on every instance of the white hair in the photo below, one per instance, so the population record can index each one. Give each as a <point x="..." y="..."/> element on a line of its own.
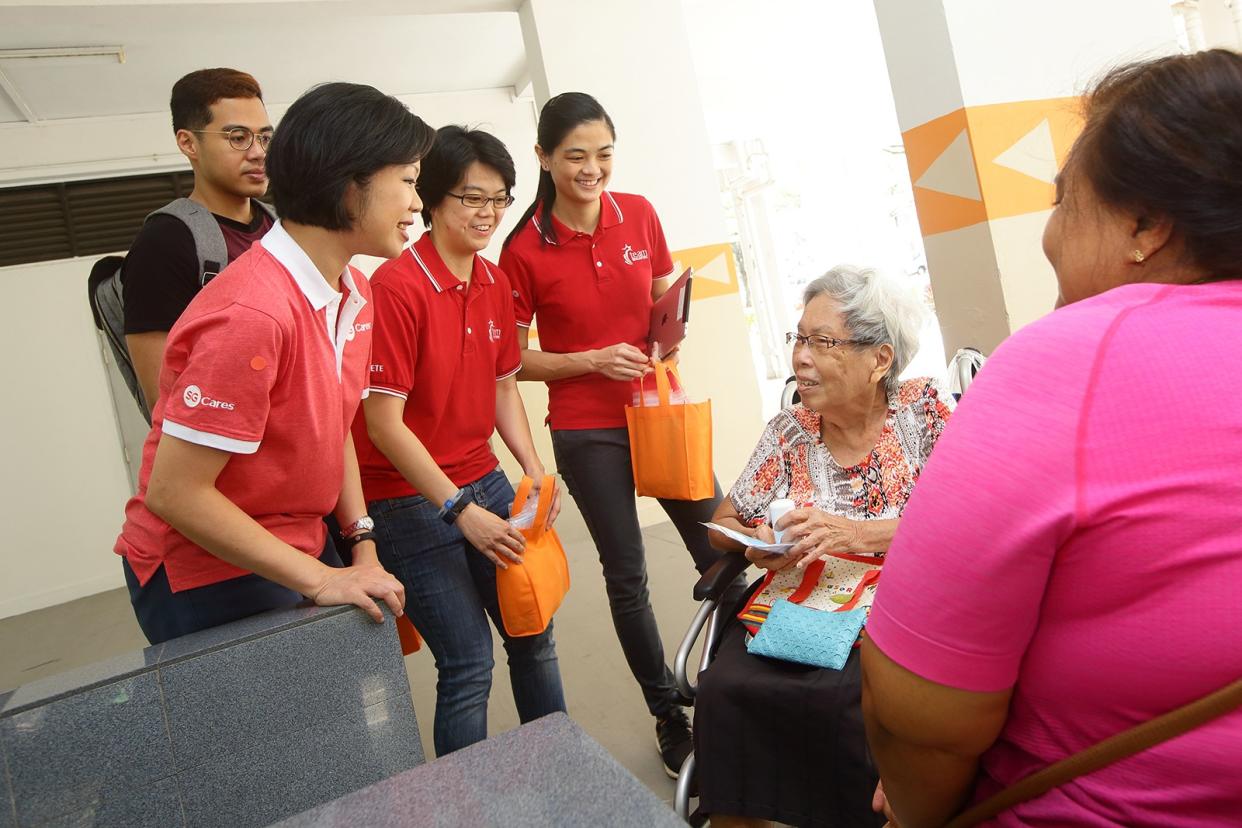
<point x="878" y="309"/>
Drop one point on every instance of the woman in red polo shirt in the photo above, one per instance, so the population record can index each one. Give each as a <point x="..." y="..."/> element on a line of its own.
<point x="443" y="369"/>
<point x="587" y="265"/>
<point x="250" y="445"/>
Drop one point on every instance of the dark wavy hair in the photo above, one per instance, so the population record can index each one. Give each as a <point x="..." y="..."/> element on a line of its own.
<point x="455" y="149"/>
<point x="1163" y="139"/>
<point x="334" y="135"/>
<point x="559" y="117"/>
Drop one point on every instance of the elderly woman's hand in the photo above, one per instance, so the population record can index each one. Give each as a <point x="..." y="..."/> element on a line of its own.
<point x="774" y="561"/>
<point x="817" y="533"/>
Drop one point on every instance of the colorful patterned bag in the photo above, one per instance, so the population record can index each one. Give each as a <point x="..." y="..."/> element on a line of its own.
<point x="838" y="584"/>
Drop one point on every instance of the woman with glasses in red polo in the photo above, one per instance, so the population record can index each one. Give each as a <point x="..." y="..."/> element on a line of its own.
<point x="443" y="379"/>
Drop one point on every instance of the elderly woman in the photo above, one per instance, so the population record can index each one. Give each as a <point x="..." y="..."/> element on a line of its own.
<point x="783" y="741"/>
<point x="1071" y="564"/>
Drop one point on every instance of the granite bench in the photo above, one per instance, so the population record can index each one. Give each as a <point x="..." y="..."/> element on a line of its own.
<point x="241" y="725"/>
<point x="544" y="774"/>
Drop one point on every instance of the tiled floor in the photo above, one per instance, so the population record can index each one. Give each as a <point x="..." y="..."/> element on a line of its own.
<point x="602" y="695"/>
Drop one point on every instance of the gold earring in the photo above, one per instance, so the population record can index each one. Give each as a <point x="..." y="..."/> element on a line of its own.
<point x="1139" y="258"/>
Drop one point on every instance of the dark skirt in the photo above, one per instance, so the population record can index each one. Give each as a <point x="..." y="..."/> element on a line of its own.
<point x="782" y="741"/>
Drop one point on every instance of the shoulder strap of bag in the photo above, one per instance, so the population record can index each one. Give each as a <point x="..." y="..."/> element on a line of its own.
<point x="213" y="252"/>
<point x="1102" y="754"/>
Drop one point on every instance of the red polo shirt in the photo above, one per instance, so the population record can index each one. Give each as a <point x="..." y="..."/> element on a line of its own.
<point x="440" y="346"/>
<point x="589" y="291"/>
<point x="267" y="363"/>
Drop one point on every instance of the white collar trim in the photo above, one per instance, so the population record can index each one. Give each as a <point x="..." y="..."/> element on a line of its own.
<point x="309" y="280"/>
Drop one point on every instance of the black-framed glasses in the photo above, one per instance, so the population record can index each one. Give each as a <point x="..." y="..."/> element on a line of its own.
<point x="477" y="200"/>
<point x="818" y="343"/>
<point x="241" y="138"/>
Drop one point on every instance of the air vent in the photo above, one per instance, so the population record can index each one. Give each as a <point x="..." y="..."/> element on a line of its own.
<point x="81" y="218"/>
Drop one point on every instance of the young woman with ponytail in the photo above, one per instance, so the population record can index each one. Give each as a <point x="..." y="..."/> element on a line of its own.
<point x="586" y="265"/>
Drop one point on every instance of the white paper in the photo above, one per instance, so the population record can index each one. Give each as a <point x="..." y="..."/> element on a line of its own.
<point x="747" y="540"/>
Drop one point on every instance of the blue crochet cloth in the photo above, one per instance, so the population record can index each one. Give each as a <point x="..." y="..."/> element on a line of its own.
<point x="803" y="635"/>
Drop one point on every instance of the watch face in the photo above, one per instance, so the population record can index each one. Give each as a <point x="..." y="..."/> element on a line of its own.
<point x="365" y="523"/>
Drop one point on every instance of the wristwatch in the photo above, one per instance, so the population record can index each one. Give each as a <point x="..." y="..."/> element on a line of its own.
<point x="362" y="524"/>
<point x="455" y="505"/>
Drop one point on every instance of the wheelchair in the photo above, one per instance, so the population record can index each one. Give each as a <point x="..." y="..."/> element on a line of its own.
<point x="711" y="588"/>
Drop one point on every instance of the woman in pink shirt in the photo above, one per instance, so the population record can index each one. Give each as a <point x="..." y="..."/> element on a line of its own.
<point x="1071" y="563"/>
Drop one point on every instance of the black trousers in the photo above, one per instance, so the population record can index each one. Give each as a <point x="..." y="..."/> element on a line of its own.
<point x="595" y="464"/>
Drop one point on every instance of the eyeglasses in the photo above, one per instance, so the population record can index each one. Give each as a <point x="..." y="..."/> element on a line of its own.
<point x="478" y="200"/>
<point x="241" y="138"/>
<point x="818" y="343"/>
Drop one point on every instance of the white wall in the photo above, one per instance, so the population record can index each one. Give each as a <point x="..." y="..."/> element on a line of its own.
<point x="65" y="481"/>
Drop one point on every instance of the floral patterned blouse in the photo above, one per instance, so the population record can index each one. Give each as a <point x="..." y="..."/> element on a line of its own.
<point x="791" y="460"/>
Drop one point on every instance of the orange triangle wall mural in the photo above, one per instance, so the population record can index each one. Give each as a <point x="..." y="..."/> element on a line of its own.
<point x="988" y="162"/>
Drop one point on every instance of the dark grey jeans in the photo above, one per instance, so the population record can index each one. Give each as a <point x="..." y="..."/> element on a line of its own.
<point x="595" y="464"/>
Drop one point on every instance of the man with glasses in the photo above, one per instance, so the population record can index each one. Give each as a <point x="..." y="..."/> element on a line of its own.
<point x="222" y="127"/>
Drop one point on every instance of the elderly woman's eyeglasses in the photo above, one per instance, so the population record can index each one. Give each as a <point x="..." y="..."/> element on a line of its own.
<point x="241" y="138"/>
<point x="477" y="200"/>
<point x="816" y="342"/>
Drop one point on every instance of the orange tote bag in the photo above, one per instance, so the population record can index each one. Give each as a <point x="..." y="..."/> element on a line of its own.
<point x="670" y="445"/>
<point x="532" y="591"/>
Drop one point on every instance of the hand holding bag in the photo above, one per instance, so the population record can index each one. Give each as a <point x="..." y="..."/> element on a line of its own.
<point x="532" y="591"/>
<point x="671" y="445"/>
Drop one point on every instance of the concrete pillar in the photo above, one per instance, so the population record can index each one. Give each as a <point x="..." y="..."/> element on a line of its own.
<point x="987" y="100"/>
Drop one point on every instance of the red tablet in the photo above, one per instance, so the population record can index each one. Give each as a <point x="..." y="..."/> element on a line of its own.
<point x="670" y="315"/>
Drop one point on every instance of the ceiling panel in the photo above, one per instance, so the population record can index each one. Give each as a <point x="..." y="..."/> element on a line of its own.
<point x="288" y="46"/>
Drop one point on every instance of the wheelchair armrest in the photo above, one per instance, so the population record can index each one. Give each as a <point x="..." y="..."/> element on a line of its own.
<point x="721" y="574"/>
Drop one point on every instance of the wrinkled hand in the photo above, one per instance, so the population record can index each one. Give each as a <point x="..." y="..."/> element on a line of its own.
<point x="494" y="536"/>
<point x="817" y="533"/>
<point x="879" y="804"/>
<point x="361" y="585"/>
<point x="621" y="362"/>
<point x="774" y="561"/>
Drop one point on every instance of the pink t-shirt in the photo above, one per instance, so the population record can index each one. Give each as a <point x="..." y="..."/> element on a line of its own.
<point x="1077" y="535"/>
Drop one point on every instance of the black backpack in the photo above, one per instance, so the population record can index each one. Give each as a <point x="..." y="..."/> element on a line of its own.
<point x="104" y="286"/>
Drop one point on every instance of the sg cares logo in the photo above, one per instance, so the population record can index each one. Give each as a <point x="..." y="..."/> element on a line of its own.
<point x="193" y="397"/>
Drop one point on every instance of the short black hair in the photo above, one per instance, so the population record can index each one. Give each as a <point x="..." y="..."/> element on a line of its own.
<point x="455" y="149"/>
<point x="334" y="135"/>
<point x="193" y="95"/>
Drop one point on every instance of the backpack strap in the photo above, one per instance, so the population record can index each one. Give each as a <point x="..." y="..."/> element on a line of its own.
<point x="265" y="207"/>
<point x="213" y="253"/>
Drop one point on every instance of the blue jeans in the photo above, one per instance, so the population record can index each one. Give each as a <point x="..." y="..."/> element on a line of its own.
<point x="450" y="590"/>
<point x="163" y="614"/>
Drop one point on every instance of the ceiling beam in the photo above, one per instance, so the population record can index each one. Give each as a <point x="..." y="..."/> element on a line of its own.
<point x="17" y="99"/>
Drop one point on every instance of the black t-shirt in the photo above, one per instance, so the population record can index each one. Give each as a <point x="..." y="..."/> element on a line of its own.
<point x="160" y="275"/>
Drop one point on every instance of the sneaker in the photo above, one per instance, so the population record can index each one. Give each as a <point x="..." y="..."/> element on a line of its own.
<point x="674" y="741"/>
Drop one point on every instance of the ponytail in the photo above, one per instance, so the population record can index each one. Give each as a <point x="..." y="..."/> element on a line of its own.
<point x="545" y="197"/>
